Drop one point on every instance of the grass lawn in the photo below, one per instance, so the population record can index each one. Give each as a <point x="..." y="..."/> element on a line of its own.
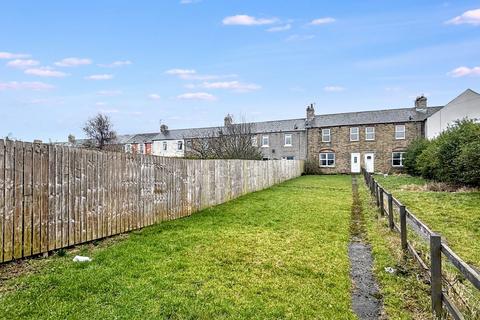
<point x="278" y="253"/>
<point x="455" y="215"/>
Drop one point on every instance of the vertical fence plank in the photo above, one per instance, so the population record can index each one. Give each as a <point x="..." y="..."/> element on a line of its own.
<point x="9" y="201"/>
<point x="44" y="221"/>
<point x="403" y="227"/>
<point x="28" y="198"/>
<point x="56" y="161"/>
<point x="65" y="197"/>
<point x="36" y="213"/>
<point x="18" y="202"/>
<point x="71" y="196"/>
<point x="2" y="195"/>
<point x="436" y="274"/>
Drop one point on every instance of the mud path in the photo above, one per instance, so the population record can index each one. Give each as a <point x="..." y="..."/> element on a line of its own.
<point x="366" y="302"/>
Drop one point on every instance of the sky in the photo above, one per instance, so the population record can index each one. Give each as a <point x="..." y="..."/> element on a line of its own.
<point x="187" y="63"/>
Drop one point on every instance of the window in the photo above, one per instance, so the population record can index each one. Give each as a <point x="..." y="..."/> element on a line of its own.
<point x="165" y="146"/>
<point x="290" y="158"/>
<point x="354" y="134"/>
<point x="400" y="132"/>
<point x="265" y="141"/>
<point x="254" y="141"/>
<point x="325" y="135"/>
<point x="128" y="148"/>
<point x="327" y="159"/>
<point x="370" y="133"/>
<point x="288" y="140"/>
<point x="397" y="159"/>
<point x="141" y="148"/>
<point x="180" y="145"/>
<point x="265" y="158"/>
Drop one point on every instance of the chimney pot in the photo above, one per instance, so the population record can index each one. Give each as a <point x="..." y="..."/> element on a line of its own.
<point x="310" y="113"/>
<point x="421" y="103"/>
<point x="228" y="120"/>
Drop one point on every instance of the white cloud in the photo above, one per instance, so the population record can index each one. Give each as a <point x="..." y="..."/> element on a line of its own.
<point x="154" y="96"/>
<point x="100" y="77"/>
<point x="231" y="85"/>
<point x="280" y="28"/>
<point x="334" y="88"/>
<point x="9" y="55"/>
<point x="22" y="64"/>
<point x="14" y="85"/>
<point x="245" y="20"/>
<point x="299" y="37"/>
<point x="468" y="17"/>
<point x="45" y="72"/>
<point x="321" y="21"/>
<point x="191" y="74"/>
<point x="197" y="96"/>
<point x="109" y="93"/>
<point x="464" y="71"/>
<point x="116" y="64"/>
<point x="189" y="1"/>
<point x="181" y="72"/>
<point x="73" y="62"/>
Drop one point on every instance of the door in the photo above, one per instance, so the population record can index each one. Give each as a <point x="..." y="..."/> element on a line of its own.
<point x="369" y="162"/>
<point x="355" y="162"/>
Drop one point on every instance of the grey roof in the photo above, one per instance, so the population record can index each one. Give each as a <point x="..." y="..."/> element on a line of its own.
<point x="374" y="116"/>
<point x="139" y="138"/>
<point x="279" y="126"/>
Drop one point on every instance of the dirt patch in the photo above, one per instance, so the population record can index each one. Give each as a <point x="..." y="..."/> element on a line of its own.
<point x="366" y="298"/>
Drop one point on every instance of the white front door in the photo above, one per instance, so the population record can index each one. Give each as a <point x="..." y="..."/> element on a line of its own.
<point x="355" y="162"/>
<point x="369" y="162"/>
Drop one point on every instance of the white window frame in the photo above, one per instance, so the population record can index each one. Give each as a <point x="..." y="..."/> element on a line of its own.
<point x="403" y="132"/>
<point x="179" y="145"/>
<point x="128" y="148"/>
<point x="164" y="145"/>
<point x="141" y="148"/>
<point x="367" y="133"/>
<point x="353" y="133"/>
<point x="286" y="137"/>
<point x="267" y="140"/>
<point x="325" y="135"/>
<point x="254" y="141"/>
<point x="326" y="154"/>
<point x="401" y="158"/>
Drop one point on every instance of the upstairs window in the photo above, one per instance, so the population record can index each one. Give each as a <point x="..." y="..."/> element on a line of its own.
<point x="370" y="133"/>
<point x="288" y="140"/>
<point x="128" y="148"/>
<point x="254" y="141"/>
<point x="265" y="141"/>
<point x="141" y="148"/>
<point x="327" y="159"/>
<point x="180" y="145"/>
<point x="164" y="146"/>
<point x="326" y="135"/>
<point x="397" y="159"/>
<point x="400" y="132"/>
<point x="354" y="134"/>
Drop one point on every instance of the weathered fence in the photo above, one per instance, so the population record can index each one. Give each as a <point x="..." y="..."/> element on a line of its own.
<point x="53" y="197"/>
<point x="389" y="205"/>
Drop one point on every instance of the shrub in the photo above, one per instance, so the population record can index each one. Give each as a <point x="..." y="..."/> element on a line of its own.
<point x="469" y="164"/>
<point x="412" y="153"/>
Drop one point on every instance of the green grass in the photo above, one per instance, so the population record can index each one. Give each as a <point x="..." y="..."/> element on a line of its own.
<point x="455" y="215"/>
<point x="278" y="253"/>
<point x="404" y="295"/>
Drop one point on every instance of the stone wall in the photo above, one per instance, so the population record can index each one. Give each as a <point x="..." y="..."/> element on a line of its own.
<point x="382" y="147"/>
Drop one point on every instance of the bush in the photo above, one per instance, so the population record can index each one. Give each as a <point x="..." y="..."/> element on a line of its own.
<point x="412" y="153"/>
<point x="453" y="157"/>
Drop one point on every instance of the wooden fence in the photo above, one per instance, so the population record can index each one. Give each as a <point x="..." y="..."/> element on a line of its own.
<point x="389" y="205"/>
<point x="54" y="197"/>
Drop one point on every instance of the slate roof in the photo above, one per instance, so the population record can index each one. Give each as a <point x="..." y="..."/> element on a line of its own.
<point x="371" y="117"/>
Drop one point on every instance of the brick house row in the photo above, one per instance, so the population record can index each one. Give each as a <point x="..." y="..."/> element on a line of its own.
<point x="334" y="143"/>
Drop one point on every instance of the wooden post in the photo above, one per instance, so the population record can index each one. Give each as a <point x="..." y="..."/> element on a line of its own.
<point x="377" y="194"/>
<point x="390" y="211"/>
<point x="382" y="212"/>
<point x="436" y="274"/>
<point x="403" y="227"/>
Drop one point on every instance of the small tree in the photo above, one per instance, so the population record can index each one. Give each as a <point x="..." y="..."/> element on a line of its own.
<point x="71" y="139"/>
<point x="412" y="153"/>
<point x="100" y="131"/>
<point x="232" y="141"/>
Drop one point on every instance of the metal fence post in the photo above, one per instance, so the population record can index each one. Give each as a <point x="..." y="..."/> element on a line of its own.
<point x="382" y="212"/>
<point x="390" y="211"/>
<point x="436" y="274"/>
<point x="403" y="227"/>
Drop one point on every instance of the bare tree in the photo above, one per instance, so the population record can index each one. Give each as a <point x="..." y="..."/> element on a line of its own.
<point x="232" y="141"/>
<point x="100" y="131"/>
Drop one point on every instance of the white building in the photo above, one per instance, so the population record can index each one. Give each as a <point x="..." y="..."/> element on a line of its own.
<point x="466" y="105"/>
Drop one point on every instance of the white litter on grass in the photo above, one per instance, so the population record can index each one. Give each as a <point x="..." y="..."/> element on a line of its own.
<point x="81" y="259"/>
<point x="389" y="270"/>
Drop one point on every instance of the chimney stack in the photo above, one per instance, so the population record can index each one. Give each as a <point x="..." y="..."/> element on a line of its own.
<point x="421" y="104"/>
<point x="164" y="128"/>
<point x="310" y="113"/>
<point x="228" y="120"/>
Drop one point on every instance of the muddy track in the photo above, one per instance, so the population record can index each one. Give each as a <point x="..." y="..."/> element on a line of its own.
<point x="366" y="302"/>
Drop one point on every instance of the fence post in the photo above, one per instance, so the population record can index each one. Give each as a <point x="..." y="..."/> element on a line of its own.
<point x="382" y="212"/>
<point x="377" y="197"/>
<point x="403" y="227"/>
<point x="390" y="211"/>
<point x="436" y="274"/>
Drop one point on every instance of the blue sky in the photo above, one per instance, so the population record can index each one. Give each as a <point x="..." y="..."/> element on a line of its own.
<point x="189" y="62"/>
